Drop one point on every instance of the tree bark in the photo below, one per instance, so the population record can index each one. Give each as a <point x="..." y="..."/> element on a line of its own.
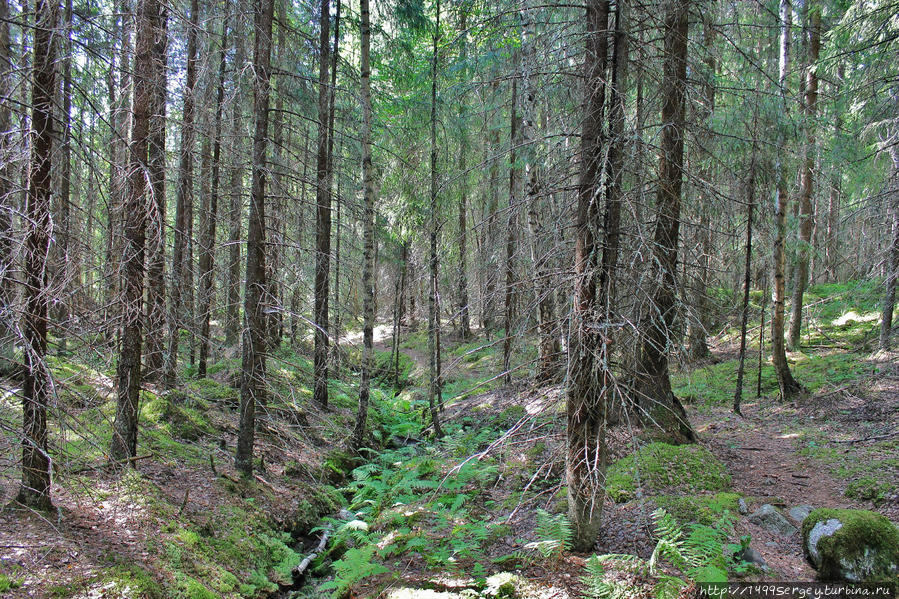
<point x="232" y="316"/>
<point x="892" y="258"/>
<point x="512" y="219"/>
<point x="586" y="398"/>
<point x="806" y="210"/>
<point x="322" y="220"/>
<point x="207" y="246"/>
<point x="7" y="199"/>
<point x="788" y="385"/>
<point x="183" y="204"/>
<point x="37" y="385"/>
<point x="658" y="404"/>
<point x="156" y="163"/>
<point x="747" y="281"/>
<point x="335" y="59"/>
<point x="128" y="369"/>
<point x="368" y="225"/>
<point x="252" y="384"/>
<point x="434" y="386"/>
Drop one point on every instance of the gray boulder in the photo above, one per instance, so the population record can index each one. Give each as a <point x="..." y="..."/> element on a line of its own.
<point x="851" y="545"/>
<point x="773" y="521"/>
<point x="800" y="513"/>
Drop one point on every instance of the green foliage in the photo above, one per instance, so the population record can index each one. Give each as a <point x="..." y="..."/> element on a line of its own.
<point x="659" y="466"/>
<point x="355" y="565"/>
<point x="869" y="488"/>
<point x="8" y="584"/>
<point x="702" y="509"/>
<point x="554" y="535"/>
<point x="695" y="551"/>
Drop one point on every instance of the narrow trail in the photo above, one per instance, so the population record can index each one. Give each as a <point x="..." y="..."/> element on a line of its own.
<point x="761" y="456"/>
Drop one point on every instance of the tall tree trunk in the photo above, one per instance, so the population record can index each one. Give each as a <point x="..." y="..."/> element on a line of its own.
<point x="128" y="369"/>
<point x="322" y="220"/>
<point x="659" y="406"/>
<point x="63" y="286"/>
<point x="788" y="385"/>
<point x="232" y="312"/>
<point x="697" y="347"/>
<point x="207" y="246"/>
<point x="547" y="368"/>
<point x="490" y="230"/>
<point x="183" y="205"/>
<point x="254" y="343"/>
<point x="368" y="226"/>
<point x="7" y="199"/>
<point x="434" y="386"/>
<point x="747" y="280"/>
<point x="585" y="458"/>
<point x="892" y="257"/>
<point x="155" y="354"/>
<point x="332" y="108"/>
<point x="512" y="220"/>
<point x="806" y="210"/>
<point x="37" y="385"/>
<point x="462" y="290"/>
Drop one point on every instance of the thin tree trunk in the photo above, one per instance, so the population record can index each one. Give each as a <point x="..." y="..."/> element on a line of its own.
<point x="462" y="290"/>
<point x="322" y="220"/>
<point x="368" y="225"/>
<point x="207" y="249"/>
<point x="586" y="451"/>
<point x="232" y="316"/>
<point x="512" y="220"/>
<point x="37" y="385"/>
<point x="892" y="259"/>
<point x="7" y="199"/>
<point x="184" y="202"/>
<point x="659" y="406"/>
<point x="155" y="354"/>
<point x="64" y="286"/>
<point x="252" y="384"/>
<point x="128" y="369"/>
<point x="747" y="280"/>
<point x="788" y="385"/>
<point x="434" y="387"/>
<point x="335" y="58"/>
<point x="806" y="210"/>
<point x="697" y="347"/>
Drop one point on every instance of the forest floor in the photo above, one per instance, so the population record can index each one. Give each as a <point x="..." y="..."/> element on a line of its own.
<point x="435" y="519"/>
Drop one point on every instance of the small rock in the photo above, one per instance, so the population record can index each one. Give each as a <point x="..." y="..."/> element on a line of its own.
<point x="772" y="544"/>
<point x="773" y="521"/>
<point x="741" y="504"/>
<point x="800" y="512"/>
<point x="752" y="556"/>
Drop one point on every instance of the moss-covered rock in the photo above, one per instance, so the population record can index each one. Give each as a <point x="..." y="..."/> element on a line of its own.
<point x="657" y="467"/>
<point x="851" y="545"/>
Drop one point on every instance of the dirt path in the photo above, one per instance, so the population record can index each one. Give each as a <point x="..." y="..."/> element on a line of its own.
<point x="760" y="452"/>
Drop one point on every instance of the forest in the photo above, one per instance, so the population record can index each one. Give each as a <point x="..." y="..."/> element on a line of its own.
<point x="449" y="299"/>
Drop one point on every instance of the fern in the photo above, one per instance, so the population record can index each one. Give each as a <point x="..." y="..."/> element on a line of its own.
<point x="554" y="535"/>
<point x="696" y="551"/>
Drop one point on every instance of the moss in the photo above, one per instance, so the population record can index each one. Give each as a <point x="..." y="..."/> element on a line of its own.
<point x="868" y="488"/>
<point x="701" y="509"/>
<point x="182" y="415"/>
<point x="8" y="584"/>
<point x="866" y="541"/>
<point x="660" y="466"/>
<point x="191" y="588"/>
<point x="213" y="390"/>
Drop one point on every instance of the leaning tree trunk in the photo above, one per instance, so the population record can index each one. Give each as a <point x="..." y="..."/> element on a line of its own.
<point x="322" y="221"/>
<point x="253" y="348"/>
<point x="658" y="404"/>
<point x="36" y="385"/>
<point x="128" y="373"/>
<point x="368" y="226"/>
<point x="586" y="403"/>
<point x="183" y="204"/>
<point x="788" y="385"/>
<point x="806" y="211"/>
